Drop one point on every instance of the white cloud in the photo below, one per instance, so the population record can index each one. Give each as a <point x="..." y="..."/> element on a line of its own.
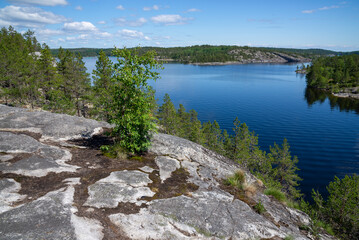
<point x="48" y="32"/>
<point x="30" y="17"/>
<point x="132" y="34"/>
<point x="80" y="26"/>
<point x="102" y="22"/>
<point x="174" y="19"/>
<point x="80" y="37"/>
<point x="308" y="11"/>
<point x="103" y="35"/>
<point x="327" y="8"/>
<point x="41" y="2"/>
<point x="154" y="7"/>
<point x="120" y="7"/>
<point x="323" y="8"/>
<point x="78" y="8"/>
<point x="134" y="23"/>
<point x="193" y="10"/>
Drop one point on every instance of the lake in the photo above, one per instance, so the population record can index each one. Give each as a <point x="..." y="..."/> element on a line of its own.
<point x="322" y="130"/>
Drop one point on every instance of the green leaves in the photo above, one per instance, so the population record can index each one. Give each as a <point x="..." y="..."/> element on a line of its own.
<point x="340" y="210"/>
<point x="131" y="99"/>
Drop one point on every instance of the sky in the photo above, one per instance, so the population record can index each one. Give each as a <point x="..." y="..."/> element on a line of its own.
<point x="327" y="24"/>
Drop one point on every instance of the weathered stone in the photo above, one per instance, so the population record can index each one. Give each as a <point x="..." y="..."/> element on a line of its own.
<point x="6" y="157"/>
<point x="121" y="186"/>
<point x="49" y="217"/>
<point x="42" y="160"/>
<point x="9" y="189"/>
<point x="147" y="169"/>
<point x="50" y="125"/>
<point x="166" y="165"/>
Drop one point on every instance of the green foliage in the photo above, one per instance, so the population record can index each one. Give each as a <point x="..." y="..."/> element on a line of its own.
<point x="259" y="208"/>
<point x="334" y="73"/>
<point x="167" y="116"/>
<point x="102" y="76"/>
<point x="131" y="99"/>
<point x="207" y="53"/>
<point x="29" y="75"/>
<point x="18" y="76"/>
<point x="339" y="213"/>
<point x="290" y="237"/>
<point x="276" y="193"/>
<point x="236" y="180"/>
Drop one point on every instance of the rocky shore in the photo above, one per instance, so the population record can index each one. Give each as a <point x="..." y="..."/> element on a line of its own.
<point x="56" y="184"/>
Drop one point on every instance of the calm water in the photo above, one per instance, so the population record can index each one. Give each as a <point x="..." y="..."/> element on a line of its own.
<point x="273" y="101"/>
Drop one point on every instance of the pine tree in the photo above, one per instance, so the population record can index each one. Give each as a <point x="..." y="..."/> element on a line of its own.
<point x="102" y="75"/>
<point x="167" y="116"/>
<point x="284" y="171"/>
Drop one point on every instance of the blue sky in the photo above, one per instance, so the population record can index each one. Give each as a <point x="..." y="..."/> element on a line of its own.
<point x="328" y="24"/>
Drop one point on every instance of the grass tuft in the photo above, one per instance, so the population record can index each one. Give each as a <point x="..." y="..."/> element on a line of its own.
<point x="276" y="193"/>
<point x="236" y="180"/>
<point x="259" y="208"/>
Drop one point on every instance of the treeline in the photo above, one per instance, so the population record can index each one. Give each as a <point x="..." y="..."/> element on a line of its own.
<point x="30" y="76"/>
<point x="206" y="53"/>
<point x="277" y="169"/>
<point x="334" y="73"/>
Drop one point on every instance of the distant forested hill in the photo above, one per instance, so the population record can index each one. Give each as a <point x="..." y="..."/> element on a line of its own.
<point x="221" y="54"/>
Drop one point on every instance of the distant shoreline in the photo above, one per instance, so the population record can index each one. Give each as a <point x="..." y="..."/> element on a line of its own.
<point x="229" y="62"/>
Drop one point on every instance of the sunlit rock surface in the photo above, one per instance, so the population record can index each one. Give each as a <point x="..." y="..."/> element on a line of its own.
<point x="56" y="184"/>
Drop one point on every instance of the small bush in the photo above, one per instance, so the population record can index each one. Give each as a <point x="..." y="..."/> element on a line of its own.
<point x="259" y="208"/>
<point x="276" y="193"/>
<point x="236" y="180"/>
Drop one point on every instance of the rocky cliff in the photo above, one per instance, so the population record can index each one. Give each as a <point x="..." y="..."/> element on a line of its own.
<point x="56" y="184"/>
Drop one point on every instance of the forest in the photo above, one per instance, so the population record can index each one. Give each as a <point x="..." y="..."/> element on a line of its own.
<point x="31" y="77"/>
<point x="334" y="73"/>
<point x="206" y="53"/>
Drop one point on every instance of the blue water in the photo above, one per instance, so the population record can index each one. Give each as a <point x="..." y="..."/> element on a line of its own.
<point x="270" y="99"/>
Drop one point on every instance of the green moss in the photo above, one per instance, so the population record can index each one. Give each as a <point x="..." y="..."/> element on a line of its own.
<point x="203" y="231"/>
<point x="289" y="237"/>
<point x="114" y="151"/>
<point x="137" y="158"/>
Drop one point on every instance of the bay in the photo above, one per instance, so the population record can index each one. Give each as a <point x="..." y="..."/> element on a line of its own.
<point x="322" y="130"/>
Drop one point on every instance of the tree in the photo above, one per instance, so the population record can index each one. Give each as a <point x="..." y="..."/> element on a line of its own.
<point x="284" y="169"/>
<point x="195" y="133"/>
<point x="131" y="104"/>
<point x="75" y="82"/>
<point x="167" y="116"/>
<point x="341" y="208"/>
<point x="102" y="76"/>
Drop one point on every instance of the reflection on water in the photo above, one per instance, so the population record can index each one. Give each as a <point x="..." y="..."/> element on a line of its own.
<point x="313" y="95"/>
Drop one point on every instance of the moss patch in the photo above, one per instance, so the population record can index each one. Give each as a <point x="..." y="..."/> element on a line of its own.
<point x="176" y="185"/>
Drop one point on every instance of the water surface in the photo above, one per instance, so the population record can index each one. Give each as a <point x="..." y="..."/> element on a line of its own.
<point x="323" y="131"/>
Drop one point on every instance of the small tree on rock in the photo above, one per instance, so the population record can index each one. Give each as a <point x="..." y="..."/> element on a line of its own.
<point x="131" y="104"/>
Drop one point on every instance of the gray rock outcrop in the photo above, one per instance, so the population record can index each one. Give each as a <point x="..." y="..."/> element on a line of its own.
<point x="54" y="184"/>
